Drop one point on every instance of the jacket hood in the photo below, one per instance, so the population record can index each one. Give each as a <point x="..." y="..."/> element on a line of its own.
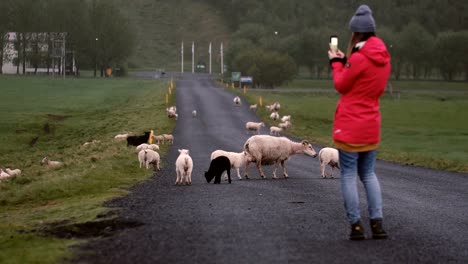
<point x="376" y="51"/>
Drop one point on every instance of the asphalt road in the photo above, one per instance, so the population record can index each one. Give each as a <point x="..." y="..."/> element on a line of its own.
<point x="298" y="220"/>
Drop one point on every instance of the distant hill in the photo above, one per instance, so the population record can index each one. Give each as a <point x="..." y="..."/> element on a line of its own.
<point x="161" y="26"/>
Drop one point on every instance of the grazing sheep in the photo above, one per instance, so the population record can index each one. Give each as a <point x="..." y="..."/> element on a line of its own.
<point x="159" y="139"/>
<point x="16" y="172"/>
<point x="184" y="167"/>
<point x="94" y="141"/>
<point x="286" y="118"/>
<point x="138" y="140"/>
<point x="146" y="146"/>
<point x="275" y="131"/>
<point x="285" y="125"/>
<point x="237" y="159"/>
<point x="267" y="150"/>
<point x="121" y="137"/>
<point x="217" y="167"/>
<point x="275" y="116"/>
<point x="254" y="126"/>
<point x="194" y="113"/>
<point x="237" y="100"/>
<point x="253" y="107"/>
<point x="4" y="175"/>
<point x="328" y="156"/>
<point x="172" y="112"/>
<point x="147" y="157"/>
<point x="51" y="163"/>
<point x="168" y="138"/>
<point x="273" y="107"/>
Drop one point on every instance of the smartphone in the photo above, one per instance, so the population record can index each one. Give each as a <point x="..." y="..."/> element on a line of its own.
<point x="334" y="42"/>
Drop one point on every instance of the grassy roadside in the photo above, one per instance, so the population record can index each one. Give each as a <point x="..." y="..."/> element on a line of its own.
<point x="51" y="117"/>
<point x="426" y="126"/>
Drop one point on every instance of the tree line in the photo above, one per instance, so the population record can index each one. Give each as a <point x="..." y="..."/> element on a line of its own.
<point x="96" y="31"/>
<point x="427" y="39"/>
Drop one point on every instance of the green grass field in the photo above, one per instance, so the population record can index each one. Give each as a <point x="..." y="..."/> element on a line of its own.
<point x="426" y="126"/>
<point x="41" y="117"/>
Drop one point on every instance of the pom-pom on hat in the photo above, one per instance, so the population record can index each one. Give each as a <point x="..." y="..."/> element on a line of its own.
<point x="362" y="21"/>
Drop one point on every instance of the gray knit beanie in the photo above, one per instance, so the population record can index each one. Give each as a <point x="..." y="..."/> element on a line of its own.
<point x="362" y="21"/>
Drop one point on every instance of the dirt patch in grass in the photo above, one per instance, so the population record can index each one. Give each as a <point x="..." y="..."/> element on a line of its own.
<point x="92" y="229"/>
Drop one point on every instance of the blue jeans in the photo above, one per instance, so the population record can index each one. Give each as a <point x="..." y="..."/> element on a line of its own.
<point x="353" y="164"/>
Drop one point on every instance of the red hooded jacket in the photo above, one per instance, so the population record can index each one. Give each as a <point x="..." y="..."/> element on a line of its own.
<point x="361" y="81"/>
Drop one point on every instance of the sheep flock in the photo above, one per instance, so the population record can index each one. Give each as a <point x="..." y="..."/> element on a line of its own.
<point x="262" y="149"/>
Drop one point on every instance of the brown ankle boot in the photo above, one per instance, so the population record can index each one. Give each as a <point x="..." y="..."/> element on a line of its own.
<point x="377" y="230"/>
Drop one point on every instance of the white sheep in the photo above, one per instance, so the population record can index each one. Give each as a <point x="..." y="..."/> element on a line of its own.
<point x="286" y="118"/>
<point x="275" y="131"/>
<point x="253" y="107"/>
<point x="120" y="137"/>
<point x="274" y="116"/>
<point x="328" y="156"/>
<point x="254" y="126"/>
<point x="171" y="114"/>
<point x="147" y="157"/>
<point x="94" y="141"/>
<point x="194" y="113"/>
<point x="268" y="150"/>
<point x="146" y="146"/>
<point x="237" y="101"/>
<point x="159" y="139"/>
<point x="168" y="138"/>
<point x="16" y="172"/>
<point x="273" y="107"/>
<point x="237" y="159"/>
<point x="285" y="125"/>
<point x="4" y="175"/>
<point x="184" y="167"/>
<point x="51" y="163"/>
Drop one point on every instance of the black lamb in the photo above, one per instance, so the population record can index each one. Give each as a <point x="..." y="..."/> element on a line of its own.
<point x="138" y="140"/>
<point x="217" y="167"/>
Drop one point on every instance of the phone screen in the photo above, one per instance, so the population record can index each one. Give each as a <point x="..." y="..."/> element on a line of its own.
<point x="334" y="42"/>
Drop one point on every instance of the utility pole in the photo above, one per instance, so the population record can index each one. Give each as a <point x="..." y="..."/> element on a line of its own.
<point x="64" y="57"/>
<point x="193" y="57"/>
<point x="209" y="51"/>
<point x="182" y="57"/>
<point x="222" y="54"/>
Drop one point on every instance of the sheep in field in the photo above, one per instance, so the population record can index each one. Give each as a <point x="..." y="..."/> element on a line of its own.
<point x="217" y="167"/>
<point x="254" y="126"/>
<point x="275" y="131"/>
<point x="16" y="172"/>
<point x="286" y="118"/>
<point x="147" y="157"/>
<point x="273" y="107"/>
<point x="328" y="156"/>
<point x="159" y="139"/>
<point x="146" y="146"/>
<point x="184" y="167"/>
<point x="169" y="138"/>
<point x="268" y="150"/>
<point x="121" y="137"/>
<point x="237" y="159"/>
<point x="275" y="116"/>
<point x="51" y="163"/>
<point x="4" y="175"/>
<point x="285" y="125"/>
<point x="253" y="107"/>
<point x="237" y="101"/>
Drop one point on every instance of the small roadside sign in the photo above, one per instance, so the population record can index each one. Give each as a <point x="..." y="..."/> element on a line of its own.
<point x="235" y="76"/>
<point x="246" y="79"/>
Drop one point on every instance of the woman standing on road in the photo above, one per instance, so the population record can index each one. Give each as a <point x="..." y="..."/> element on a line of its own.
<point x="360" y="77"/>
